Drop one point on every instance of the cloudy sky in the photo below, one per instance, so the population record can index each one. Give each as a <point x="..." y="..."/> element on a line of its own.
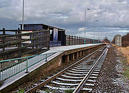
<point x="68" y="14"/>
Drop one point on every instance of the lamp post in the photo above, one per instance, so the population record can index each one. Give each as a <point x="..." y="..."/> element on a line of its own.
<point x="86" y="16"/>
<point x="22" y="15"/>
<point x="85" y="19"/>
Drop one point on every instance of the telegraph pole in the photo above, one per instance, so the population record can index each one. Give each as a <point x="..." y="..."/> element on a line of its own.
<point x="23" y="15"/>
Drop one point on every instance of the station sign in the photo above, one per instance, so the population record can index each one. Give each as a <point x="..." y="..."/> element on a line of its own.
<point x="55" y="34"/>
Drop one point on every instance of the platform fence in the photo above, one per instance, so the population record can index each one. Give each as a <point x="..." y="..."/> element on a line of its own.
<point x="12" y="67"/>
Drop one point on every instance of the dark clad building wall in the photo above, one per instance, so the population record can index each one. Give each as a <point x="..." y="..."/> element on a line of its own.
<point x="61" y="32"/>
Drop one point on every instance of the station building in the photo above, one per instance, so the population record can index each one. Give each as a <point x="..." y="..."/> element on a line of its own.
<point x="57" y="35"/>
<point x="118" y="40"/>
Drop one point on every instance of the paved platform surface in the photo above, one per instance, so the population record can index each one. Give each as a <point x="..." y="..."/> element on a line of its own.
<point x="58" y="50"/>
<point x="66" y="48"/>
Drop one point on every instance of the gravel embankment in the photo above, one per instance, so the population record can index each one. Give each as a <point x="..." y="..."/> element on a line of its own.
<point x="110" y="79"/>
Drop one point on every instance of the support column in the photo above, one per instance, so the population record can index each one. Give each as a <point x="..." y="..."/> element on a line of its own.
<point x="83" y="53"/>
<point x="80" y="53"/>
<point x="77" y="55"/>
<point x="70" y="57"/>
<point x="67" y="58"/>
<point x="73" y="58"/>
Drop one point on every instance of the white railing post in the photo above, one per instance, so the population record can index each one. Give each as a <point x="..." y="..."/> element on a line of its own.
<point x="27" y="65"/>
<point x="46" y="58"/>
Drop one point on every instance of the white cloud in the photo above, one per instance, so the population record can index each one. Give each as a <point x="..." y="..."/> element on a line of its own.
<point x="82" y="29"/>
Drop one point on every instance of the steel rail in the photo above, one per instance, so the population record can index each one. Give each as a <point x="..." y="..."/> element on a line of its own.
<point x="80" y="86"/>
<point x="32" y="90"/>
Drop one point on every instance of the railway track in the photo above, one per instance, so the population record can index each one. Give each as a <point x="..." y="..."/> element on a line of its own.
<point x="80" y="77"/>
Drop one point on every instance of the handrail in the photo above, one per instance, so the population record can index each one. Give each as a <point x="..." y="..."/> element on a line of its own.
<point x="17" y="58"/>
<point x="20" y="34"/>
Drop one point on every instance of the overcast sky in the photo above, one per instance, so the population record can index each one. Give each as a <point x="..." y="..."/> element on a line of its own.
<point x="68" y="14"/>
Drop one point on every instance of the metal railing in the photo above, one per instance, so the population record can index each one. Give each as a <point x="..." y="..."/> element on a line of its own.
<point x="11" y="67"/>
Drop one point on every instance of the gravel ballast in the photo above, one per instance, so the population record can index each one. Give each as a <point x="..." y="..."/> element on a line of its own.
<point x="110" y="79"/>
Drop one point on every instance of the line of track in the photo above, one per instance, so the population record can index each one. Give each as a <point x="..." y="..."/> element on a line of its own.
<point x="80" y="76"/>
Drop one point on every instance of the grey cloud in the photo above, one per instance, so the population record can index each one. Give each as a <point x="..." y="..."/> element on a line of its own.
<point x="3" y="3"/>
<point x="68" y="13"/>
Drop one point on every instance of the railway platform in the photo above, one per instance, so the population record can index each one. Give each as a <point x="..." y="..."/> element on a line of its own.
<point x="20" y="72"/>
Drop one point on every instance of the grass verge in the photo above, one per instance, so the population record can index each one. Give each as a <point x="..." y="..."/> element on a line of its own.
<point x="68" y="91"/>
<point x="126" y="72"/>
<point x="21" y="91"/>
<point x="126" y="68"/>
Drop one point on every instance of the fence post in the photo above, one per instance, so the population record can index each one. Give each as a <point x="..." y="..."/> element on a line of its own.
<point x="33" y="40"/>
<point x="19" y="44"/>
<point x="69" y="40"/>
<point x="27" y="65"/>
<point x="78" y="40"/>
<point x="48" y="39"/>
<point x="3" y="39"/>
<point x="0" y="71"/>
<point x="72" y="40"/>
<point x="3" y="43"/>
<point x="46" y="58"/>
<point x="75" y="40"/>
<point x="0" y="77"/>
